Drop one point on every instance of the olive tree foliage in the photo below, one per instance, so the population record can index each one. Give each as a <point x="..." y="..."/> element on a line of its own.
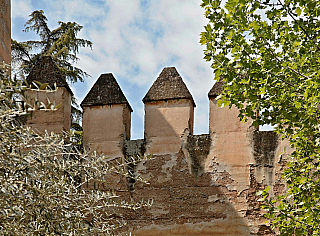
<point x="267" y="52"/>
<point x="47" y="186"/>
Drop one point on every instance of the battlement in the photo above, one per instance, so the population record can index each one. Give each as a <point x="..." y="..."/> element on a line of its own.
<point x="46" y="72"/>
<point x="201" y="184"/>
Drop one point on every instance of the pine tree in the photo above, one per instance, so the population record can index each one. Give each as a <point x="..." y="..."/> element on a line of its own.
<point x="61" y="44"/>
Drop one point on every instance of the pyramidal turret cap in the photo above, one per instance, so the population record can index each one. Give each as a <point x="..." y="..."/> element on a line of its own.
<point x="106" y="91"/>
<point x="169" y="85"/>
<point x="216" y="89"/>
<point x="46" y="71"/>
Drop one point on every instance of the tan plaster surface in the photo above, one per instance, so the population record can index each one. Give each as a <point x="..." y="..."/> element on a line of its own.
<point x="225" y="120"/>
<point x="103" y="123"/>
<point x="165" y="124"/>
<point x="231" y="145"/>
<point x="109" y="148"/>
<point x="51" y="120"/>
<point x="215" y="227"/>
<point x="167" y="118"/>
<point x="106" y="127"/>
<point x="184" y="205"/>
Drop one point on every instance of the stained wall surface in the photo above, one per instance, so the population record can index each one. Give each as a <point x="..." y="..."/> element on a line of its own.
<point x="51" y="120"/>
<point x="232" y="144"/>
<point x="208" y="186"/>
<point x="5" y="31"/>
<point x="200" y="184"/>
<point x="105" y="127"/>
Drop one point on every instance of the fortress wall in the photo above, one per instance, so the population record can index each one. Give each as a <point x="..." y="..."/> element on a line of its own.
<point x="5" y="31"/>
<point x="200" y="184"/>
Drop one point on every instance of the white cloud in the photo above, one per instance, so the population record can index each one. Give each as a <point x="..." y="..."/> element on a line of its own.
<point x="21" y="8"/>
<point x="73" y="10"/>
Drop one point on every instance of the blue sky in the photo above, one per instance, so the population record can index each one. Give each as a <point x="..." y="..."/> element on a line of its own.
<point x="134" y="40"/>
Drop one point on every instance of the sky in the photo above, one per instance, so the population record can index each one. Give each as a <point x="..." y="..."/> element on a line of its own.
<point x="134" y="40"/>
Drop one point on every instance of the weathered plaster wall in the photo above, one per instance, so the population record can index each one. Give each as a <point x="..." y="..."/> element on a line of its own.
<point x="207" y="185"/>
<point x="51" y="120"/>
<point x="200" y="184"/>
<point x="231" y="145"/>
<point x="192" y="200"/>
<point x="166" y="122"/>
<point x="187" y="201"/>
<point x="106" y="127"/>
<point x="5" y="31"/>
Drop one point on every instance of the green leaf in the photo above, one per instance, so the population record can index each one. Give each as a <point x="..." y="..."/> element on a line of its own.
<point x="205" y="2"/>
<point x="298" y="11"/>
<point x="271" y="70"/>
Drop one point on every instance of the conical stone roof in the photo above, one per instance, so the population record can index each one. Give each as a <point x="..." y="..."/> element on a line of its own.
<point x="46" y="71"/>
<point x="216" y="89"/>
<point x="106" y="91"/>
<point x="169" y="85"/>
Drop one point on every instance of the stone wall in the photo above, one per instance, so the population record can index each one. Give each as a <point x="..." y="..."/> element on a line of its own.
<point x="200" y="184"/>
<point x="5" y="31"/>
